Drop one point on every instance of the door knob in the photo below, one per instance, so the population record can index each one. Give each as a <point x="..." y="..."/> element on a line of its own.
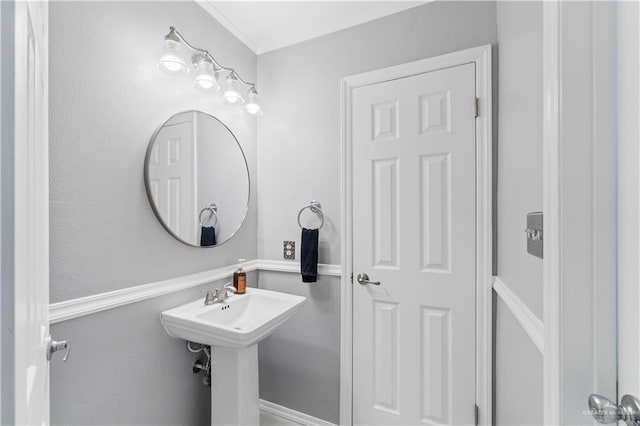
<point x="606" y="411"/>
<point x="363" y="279"/>
<point x="55" y="346"/>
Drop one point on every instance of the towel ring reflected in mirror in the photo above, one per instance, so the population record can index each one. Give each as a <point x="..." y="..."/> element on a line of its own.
<point x="316" y="208"/>
<point x="213" y="213"/>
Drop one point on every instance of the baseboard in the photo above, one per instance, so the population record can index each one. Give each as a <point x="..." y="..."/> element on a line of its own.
<point x="292" y="415"/>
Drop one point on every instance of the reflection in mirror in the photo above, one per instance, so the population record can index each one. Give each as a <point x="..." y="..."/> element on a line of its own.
<point x="197" y="179"/>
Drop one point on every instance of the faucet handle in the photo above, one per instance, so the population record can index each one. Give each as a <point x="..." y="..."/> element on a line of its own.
<point x="210" y="296"/>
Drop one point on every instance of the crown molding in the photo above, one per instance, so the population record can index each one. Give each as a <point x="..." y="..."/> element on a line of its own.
<point x="212" y="10"/>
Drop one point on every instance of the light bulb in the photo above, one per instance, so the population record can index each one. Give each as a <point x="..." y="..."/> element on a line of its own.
<point x="232" y="94"/>
<point x="206" y="78"/>
<point x="171" y="60"/>
<point x="252" y="106"/>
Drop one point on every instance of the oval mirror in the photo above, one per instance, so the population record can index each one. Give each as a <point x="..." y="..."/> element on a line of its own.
<point x="197" y="179"/>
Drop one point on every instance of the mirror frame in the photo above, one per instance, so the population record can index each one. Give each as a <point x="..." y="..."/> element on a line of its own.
<point x="147" y="186"/>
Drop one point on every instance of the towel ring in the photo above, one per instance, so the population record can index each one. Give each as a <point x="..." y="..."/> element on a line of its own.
<point x="316" y="208"/>
<point x="213" y="209"/>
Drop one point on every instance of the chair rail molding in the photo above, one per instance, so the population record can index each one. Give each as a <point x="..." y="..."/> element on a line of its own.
<point x="75" y="308"/>
<point x="294" y="267"/>
<point x="531" y="324"/>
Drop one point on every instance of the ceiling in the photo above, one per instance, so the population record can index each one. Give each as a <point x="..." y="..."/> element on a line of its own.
<point x="268" y="25"/>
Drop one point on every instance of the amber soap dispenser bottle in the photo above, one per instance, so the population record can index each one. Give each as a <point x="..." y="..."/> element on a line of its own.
<point x="240" y="279"/>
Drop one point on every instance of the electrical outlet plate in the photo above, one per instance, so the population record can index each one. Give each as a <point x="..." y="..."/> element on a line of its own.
<point x="534" y="234"/>
<point x="289" y="250"/>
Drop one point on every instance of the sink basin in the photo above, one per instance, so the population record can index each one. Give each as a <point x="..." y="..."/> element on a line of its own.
<point x="233" y="329"/>
<point x="241" y="321"/>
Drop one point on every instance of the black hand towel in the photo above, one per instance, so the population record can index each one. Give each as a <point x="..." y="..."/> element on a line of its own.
<point x="309" y="255"/>
<point x="208" y="236"/>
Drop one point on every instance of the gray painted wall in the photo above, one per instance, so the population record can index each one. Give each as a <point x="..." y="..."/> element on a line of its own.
<point x="300" y="362"/>
<point x="518" y="376"/>
<point x="518" y="362"/>
<point x="299" y="137"/>
<point x="124" y="369"/>
<point x="299" y="141"/>
<point x="107" y="98"/>
<point x="520" y="145"/>
<point x="105" y="237"/>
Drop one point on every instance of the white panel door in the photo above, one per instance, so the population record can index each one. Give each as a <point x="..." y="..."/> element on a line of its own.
<point x="414" y="222"/>
<point x="31" y="237"/>
<point x="172" y="179"/>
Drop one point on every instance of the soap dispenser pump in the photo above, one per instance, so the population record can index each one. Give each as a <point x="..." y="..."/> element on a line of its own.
<point x="240" y="279"/>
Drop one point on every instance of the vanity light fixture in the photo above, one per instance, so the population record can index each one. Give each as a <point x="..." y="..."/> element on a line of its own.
<point x="252" y="106"/>
<point x="172" y="61"/>
<point x="232" y="94"/>
<point x="206" y="76"/>
<point x="207" y="72"/>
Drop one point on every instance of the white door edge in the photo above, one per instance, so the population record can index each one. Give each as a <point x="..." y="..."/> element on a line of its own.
<point x="551" y="207"/>
<point x="31" y="214"/>
<point x="628" y="69"/>
<point x="481" y="56"/>
<point x="562" y="23"/>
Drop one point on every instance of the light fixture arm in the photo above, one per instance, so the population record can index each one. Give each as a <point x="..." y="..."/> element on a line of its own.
<point x="176" y="36"/>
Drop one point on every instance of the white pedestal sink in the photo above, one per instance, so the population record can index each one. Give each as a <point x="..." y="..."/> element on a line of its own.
<point x="233" y="329"/>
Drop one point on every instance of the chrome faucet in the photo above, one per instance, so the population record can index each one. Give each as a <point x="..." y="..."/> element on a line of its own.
<point x="218" y="295"/>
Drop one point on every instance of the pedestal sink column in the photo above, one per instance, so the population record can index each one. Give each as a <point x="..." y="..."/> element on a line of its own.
<point x="234" y="386"/>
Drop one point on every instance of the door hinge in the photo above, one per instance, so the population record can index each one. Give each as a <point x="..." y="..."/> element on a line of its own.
<point x="352" y="278"/>
<point x="476" y="414"/>
<point x="476" y="107"/>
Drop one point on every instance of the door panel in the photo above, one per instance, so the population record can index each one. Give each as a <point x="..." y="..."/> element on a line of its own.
<point x="414" y="230"/>
<point x="434" y="207"/>
<point x="172" y="171"/>
<point x="385" y="213"/>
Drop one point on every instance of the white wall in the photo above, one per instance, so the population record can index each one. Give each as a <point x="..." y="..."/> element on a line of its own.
<point x="299" y="160"/>
<point x="518" y="371"/>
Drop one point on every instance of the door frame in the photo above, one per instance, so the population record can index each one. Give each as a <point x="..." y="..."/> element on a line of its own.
<point x="481" y="57"/>
<point x="578" y="34"/>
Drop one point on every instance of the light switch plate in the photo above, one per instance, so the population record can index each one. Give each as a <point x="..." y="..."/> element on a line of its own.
<point x="534" y="234"/>
<point x="289" y="250"/>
